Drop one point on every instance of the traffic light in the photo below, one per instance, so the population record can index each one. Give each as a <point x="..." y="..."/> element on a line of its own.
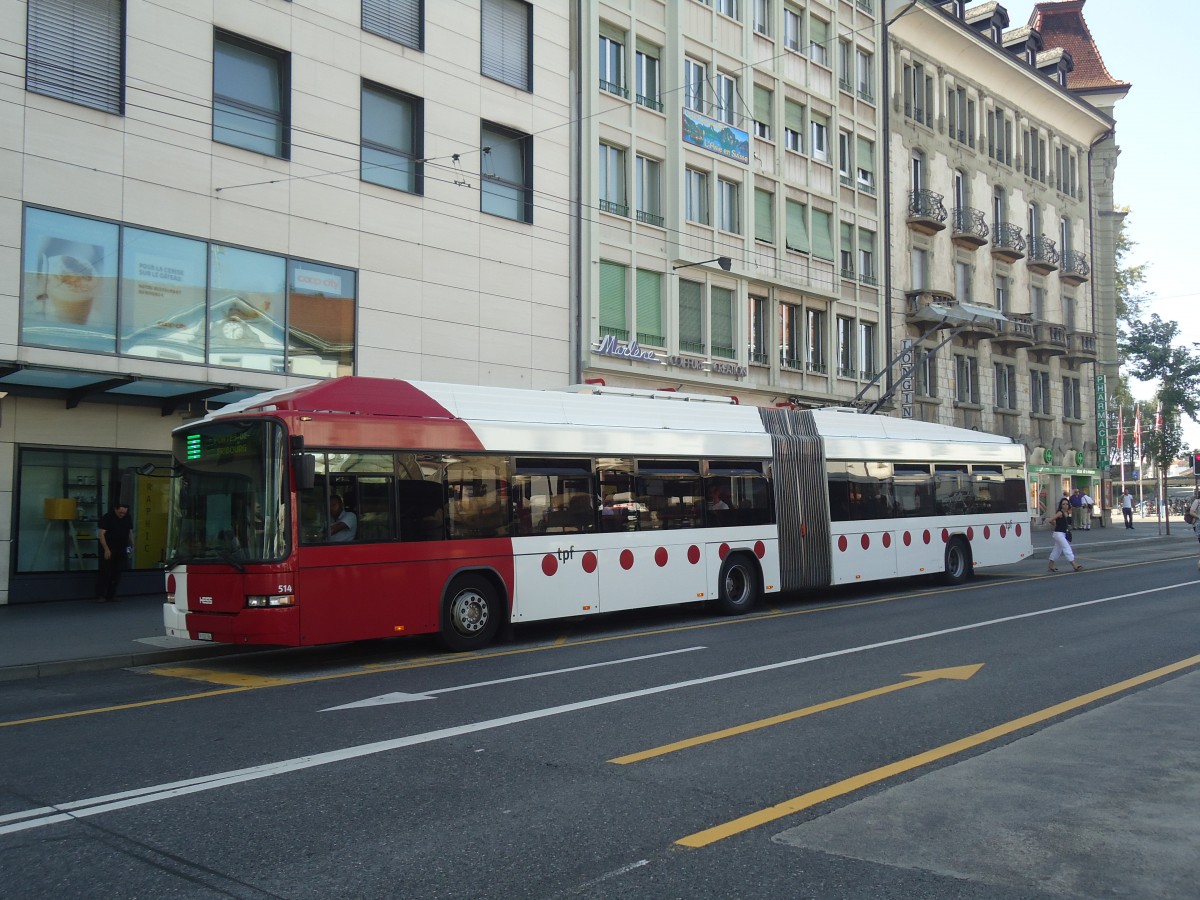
<point x="1196" y="463"/>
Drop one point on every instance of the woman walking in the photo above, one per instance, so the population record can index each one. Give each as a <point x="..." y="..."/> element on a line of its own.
<point x="1062" y="533"/>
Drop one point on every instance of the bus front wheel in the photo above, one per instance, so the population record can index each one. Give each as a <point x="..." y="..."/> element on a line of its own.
<point x="470" y="613"/>
<point x="737" y="590"/>
<point x="958" y="561"/>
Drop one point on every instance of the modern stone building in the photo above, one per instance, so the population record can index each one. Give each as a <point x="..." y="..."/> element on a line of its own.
<point x="202" y="201"/>
<point x="731" y="217"/>
<point x="998" y="172"/>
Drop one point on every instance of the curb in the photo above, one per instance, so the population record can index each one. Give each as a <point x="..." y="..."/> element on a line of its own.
<point x="118" y="661"/>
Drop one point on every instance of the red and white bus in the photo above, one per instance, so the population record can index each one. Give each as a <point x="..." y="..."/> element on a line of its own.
<point x="466" y="507"/>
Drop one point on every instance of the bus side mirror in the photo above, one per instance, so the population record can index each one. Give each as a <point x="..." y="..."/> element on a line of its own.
<point x="306" y="471"/>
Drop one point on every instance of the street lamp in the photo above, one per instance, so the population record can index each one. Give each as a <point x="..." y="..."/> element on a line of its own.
<point x="723" y="261"/>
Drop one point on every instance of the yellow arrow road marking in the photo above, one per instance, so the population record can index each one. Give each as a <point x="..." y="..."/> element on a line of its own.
<point x="812" y="798"/>
<point x="960" y="673"/>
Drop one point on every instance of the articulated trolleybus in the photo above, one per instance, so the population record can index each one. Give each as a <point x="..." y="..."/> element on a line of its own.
<point x="364" y="508"/>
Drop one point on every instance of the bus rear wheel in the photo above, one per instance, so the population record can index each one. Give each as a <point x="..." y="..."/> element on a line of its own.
<point x="958" y="561"/>
<point x="737" y="590"/>
<point x="470" y="613"/>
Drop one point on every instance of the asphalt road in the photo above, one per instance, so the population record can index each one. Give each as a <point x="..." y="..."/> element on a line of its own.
<point x="1048" y="750"/>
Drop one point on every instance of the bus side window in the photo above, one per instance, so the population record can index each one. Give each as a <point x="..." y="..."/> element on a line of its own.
<point x="422" y="510"/>
<point x="314" y="506"/>
<point x="376" y="520"/>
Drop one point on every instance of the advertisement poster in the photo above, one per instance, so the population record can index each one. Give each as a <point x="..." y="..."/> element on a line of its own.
<point x="162" y="296"/>
<point x="69" y="294"/>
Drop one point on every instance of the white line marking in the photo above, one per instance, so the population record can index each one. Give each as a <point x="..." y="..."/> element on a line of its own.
<point x="78" y="809"/>
<point x="399" y="697"/>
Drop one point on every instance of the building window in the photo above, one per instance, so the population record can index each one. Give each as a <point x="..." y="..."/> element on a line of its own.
<point x="927" y="384"/>
<point x="845" y="163"/>
<point x="649" y="191"/>
<point x="814" y="358"/>
<point x="612" y="62"/>
<point x="762" y="112"/>
<point x="822" y="234"/>
<point x="797" y="227"/>
<point x="791" y="336"/>
<point x="691" y="317"/>
<point x="1066" y="245"/>
<point x="819" y="137"/>
<point x="725" y="90"/>
<point x="756" y="331"/>
<point x="1072" y="398"/>
<point x="866" y="257"/>
<point x="845" y="347"/>
<point x="865" y="67"/>
<point x="956" y="114"/>
<point x="729" y="206"/>
<point x="612" y="180"/>
<point x="818" y="41"/>
<point x="1002" y="293"/>
<point x="649" y="308"/>
<point x="966" y="379"/>
<point x="791" y="29"/>
<point x="506" y="173"/>
<point x="612" y="301"/>
<point x="721" y="324"/>
<point x="697" y="197"/>
<point x="917" y="87"/>
<point x="250" y="96"/>
<point x="762" y="17"/>
<point x="962" y="281"/>
<point x="845" y="65"/>
<point x="695" y="77"/>
<point x="391" y="138"/>
<point x="1037" y="302"/>
<point x="397" y="20"/>
<point x="1005" y="378"/>
<point x="728" y="8"/>
<point x="76" y="52"/>
<point x="866" y="350"/>
<point x="865" y="160"/>
<point x="793" y="126"/>
<point x="647" y="76"/>
<point x="764" y="216"/>
<point x="846" y="249"/>
<point x="505" y="45"/>
<point x="918" y="260"/>
<point x="1039" y="394"/>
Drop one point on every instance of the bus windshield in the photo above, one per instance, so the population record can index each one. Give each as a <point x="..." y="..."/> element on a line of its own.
<point x="229" y="501"/>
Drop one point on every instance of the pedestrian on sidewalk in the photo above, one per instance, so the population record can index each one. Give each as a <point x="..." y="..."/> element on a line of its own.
<point x="1062" y="535"/>
<point x="1087" y="503"/>
<point x="116" y="546"/>
<point x="1194" y="510"/>
<point x="1077" y="508"/>
<point x="1127" y="508"/>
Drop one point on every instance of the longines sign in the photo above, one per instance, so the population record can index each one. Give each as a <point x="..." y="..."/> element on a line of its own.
<point x="632" y="350"/>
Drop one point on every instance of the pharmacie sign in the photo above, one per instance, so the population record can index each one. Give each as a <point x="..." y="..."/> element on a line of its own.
<point x="632" y="350"/>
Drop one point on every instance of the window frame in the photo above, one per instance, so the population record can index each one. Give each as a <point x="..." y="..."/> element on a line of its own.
<point x="282" y="63"/>
<point x="508" y="135"/>
<point x="384" y="16"/>
<point x="53" y="70"/>
<point x="413" y="153"/>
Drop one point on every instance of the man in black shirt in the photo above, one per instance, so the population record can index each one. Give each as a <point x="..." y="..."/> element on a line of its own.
<point x="116" y="546"/>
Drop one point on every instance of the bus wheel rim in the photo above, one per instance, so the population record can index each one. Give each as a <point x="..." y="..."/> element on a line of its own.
<point x="469" y="612"/>
<point x="737" y="584"/>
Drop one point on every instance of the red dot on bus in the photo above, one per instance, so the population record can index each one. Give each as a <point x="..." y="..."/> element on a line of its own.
<point x="760" y="549"/>
<point x="549" y="564"/>
<point x="987" y="532"/>
<point x="1003" y="531"/>
<point x="907" y="539"/>
<point x="1018" y="529"/>
<point x="626" y="559"/>
<point x="724" y="551"/>
<point x="589" y="562"/>
<point x="693" y="554"/>
<point x="170" y="584"/>
<point x="970" y="534"/>
<point x="945" y="535"/>
<point x="887" y="539"/>
<point x="865" y="541"/>
<point x="927" y="536"/>
<point x="843" y="543"/>
<point x="660" y="556"/>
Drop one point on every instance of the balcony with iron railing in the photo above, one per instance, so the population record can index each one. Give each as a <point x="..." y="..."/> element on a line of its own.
<point x="648" y="339"/>
<point x="696" y="347"/>
<point x="968" y="228"/>
<point x="846" y="85"/>
<point x="724" y="352"/>
<point x="926" y="213"/>
<point x="757" y="357"/>
<point x="866" y="94"/>
<point x="928" y="306"/>
<point x="650" y="102"/>
<point x="847" y="372"/>
<point x="621" y="334"/>
<point x="1015" y="333"/>
<point x="1075" y="268"/>
<point x="1081" y="346"/>
<point x="1043" y="254"/>
<point x="617" y="209"/>
<point x="650" y="218"/>
<point x="613" y="88"/>
<point x="1050" y="339"/>
<point x="1007" y="243"/>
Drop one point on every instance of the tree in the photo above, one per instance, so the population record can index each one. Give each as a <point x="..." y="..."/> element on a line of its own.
<point x="1130" y="281"/>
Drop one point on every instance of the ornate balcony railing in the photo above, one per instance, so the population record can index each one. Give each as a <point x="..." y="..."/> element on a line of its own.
<point x="1007" y="238"/>
<point x="969" y="225"/>
<point x="1074" y="267"/>
<point x="926" y="204"/>
<point x="1043" y="254"/>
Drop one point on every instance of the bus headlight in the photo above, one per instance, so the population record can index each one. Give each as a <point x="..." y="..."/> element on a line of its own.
<point x="264" y="601"/>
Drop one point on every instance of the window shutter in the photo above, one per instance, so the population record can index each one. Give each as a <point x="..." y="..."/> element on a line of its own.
<point x="504" y="50"/>
<point x="822" y="237"/>
<point x="396" y="20"/>
<point x="764" y="226"/>
<point x="762" y="105"/>
<point x="865" y="156"/>
<point x="75" y="52"/>
<point x="847" y="238"/>
<point x="722" y="318"/>
<point x="612" y="295"/>
<point x="691" y="316"/>
<point x="793" y="116"/>
<point x="797" y="227"/>
<point x="649" y="307"/>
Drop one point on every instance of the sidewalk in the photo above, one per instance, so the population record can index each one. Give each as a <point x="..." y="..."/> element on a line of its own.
<point x="38" y="639"/>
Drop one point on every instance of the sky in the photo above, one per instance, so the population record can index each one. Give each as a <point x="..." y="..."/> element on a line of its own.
<point x="1151" y="46"/>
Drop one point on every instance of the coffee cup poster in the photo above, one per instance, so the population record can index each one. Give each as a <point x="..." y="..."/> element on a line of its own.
<point x="70" y="292"/>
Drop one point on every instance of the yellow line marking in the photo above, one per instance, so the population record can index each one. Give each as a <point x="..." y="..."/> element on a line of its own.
<point x="124" y="706"/>
<point x="236" y="679"/>
<point x="838" y="789"/>
<point x="959" y="673"/>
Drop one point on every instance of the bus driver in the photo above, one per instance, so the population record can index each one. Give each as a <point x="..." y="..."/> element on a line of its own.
<point x="343" y="523"/>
